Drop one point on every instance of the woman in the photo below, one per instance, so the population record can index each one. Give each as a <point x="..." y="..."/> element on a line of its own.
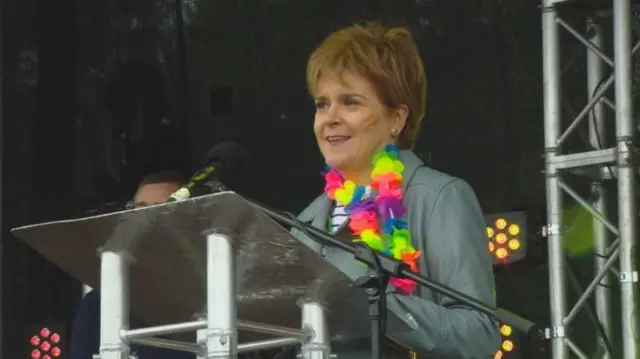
<point x="369" y="88"/>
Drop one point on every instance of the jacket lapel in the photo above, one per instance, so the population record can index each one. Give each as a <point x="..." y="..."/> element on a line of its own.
<point x="411" y="164"/>
<point x="322" y="212"/>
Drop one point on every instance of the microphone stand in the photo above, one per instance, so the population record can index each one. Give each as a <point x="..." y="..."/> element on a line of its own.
<point x="386" y="267"/>
<point x="374" y="286"/>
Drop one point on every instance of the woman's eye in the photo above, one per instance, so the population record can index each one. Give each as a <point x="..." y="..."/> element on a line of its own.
<point x="351" y="102"/>
<point x="320" y="105"/>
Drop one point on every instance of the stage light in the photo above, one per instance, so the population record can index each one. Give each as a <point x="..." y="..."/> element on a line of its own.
<point x="46" y="341"/>
<point x="507" y="236"/>
<point x="507" y="343"/>
<point x="505" y="330"/>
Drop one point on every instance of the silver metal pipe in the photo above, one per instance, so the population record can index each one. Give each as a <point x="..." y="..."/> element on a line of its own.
<point x="591" y="287"/>
<point x="314" y="320"/>
<point x="592" y="102"/>
<point x="609" y="103"/>
<point x="585" y="111"/>
<point x="114" y="305"/>
<point x="163" y="330"/>
<point x="552" y="120"/>
<point x="588" y="207"/>
<point x="272" y="329"/>
<point x="201" y="324"/>
<point x="201" y="339"/>
<point x="598" y="140"/>
<point x="594" y="47"/>
<point x="168" y="344"/>
<point x="222" y="336"/>
<point x="575" y="349"/>
<point x="615" y="245"/>
<point x="268" y="344"/>
<point x="627" y="214"/>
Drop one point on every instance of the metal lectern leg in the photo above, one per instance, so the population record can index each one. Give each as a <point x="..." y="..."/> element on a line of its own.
<point x="201" y="339"/>
<point x="221" y="336"/>
<point x="314" y="320"/>
<point x="114" y="305"/>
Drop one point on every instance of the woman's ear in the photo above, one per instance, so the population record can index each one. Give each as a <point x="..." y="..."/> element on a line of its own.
<point x="400" y="115"/>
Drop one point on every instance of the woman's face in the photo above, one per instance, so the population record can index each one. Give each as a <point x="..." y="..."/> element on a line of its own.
<point x="351" y="123"/>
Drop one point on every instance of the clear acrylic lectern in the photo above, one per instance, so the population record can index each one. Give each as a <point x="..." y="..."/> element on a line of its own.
<point x="214" y="265"/>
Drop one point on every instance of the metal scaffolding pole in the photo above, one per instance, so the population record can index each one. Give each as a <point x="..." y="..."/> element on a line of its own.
<point x="626" y="173"/>
<point x="551" y="89"/>
<point x="597" y="139"/>
<point x="611" y="162"/>
<point x="2" y="233"/>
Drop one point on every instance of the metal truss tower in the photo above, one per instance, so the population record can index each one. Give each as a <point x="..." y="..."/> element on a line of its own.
<point x="614" y="162"/>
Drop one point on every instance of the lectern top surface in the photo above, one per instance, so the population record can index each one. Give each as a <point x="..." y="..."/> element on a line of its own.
<point x="167" y="249"/>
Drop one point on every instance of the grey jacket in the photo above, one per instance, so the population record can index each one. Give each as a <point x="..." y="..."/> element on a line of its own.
<point x="446" y="224"/>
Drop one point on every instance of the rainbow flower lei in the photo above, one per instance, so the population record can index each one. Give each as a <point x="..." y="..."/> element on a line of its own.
<point x="377" y="220"/>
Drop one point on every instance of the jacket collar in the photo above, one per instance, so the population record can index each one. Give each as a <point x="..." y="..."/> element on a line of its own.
<point x="322" y="210"/>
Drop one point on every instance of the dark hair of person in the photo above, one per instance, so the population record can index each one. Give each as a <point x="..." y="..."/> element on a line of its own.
<point x="166" y="176"/>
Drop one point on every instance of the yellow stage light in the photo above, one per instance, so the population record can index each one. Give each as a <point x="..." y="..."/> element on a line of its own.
<point x="508" y="342"/>
<point x="506" y="233"/>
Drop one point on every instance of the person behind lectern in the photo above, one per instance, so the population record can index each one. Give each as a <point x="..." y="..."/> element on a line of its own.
<point x="85" y="338"/>
<point x="369" y="88"/>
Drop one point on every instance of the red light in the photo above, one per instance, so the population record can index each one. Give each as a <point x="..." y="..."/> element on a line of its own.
<point x="46" y="357"/>
<point x="35" y="340"/>
<point x="35" y="354"/>
<point x="44" y="332"/>
<point x="55" y="352"/>
<point x="55" y="338"/>
<point x="45" y="346"/>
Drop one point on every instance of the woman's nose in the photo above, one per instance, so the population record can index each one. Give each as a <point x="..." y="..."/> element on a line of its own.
<point x="333" y="115"/>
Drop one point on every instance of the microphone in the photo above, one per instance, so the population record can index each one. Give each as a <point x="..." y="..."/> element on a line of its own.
<point x="223" y="163"/>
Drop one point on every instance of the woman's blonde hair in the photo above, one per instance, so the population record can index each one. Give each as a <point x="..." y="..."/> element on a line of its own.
<point x="386" y="56"/>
